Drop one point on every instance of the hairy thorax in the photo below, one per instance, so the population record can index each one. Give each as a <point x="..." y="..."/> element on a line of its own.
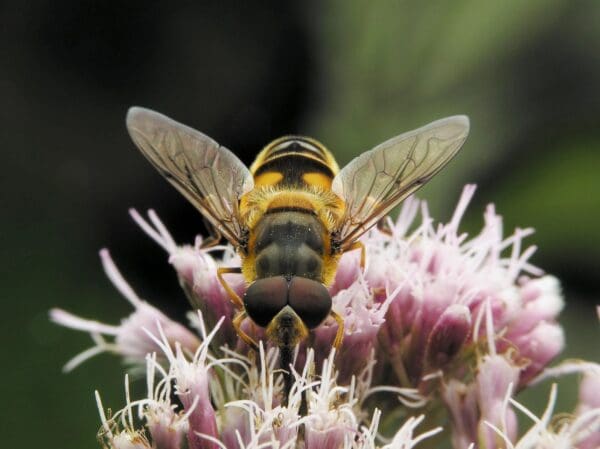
<point x="289" y="243"/>
<point x="290" y="233"/>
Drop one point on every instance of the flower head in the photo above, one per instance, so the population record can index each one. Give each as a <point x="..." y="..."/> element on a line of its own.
<point x="130" y="338"/>
<point x="438" y="324"/>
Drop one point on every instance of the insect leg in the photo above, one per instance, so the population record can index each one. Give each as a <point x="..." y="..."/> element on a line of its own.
<point x="237" y="325"/>
<point x="214" y="237"/>
<point x="235" y="298"/>
<point x="339" y="335"/>
<point x="363" y="252"/>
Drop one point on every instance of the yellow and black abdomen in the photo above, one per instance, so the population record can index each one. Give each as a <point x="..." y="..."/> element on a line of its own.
<point x="290" y="211"/>
<point x="294" y="161"/>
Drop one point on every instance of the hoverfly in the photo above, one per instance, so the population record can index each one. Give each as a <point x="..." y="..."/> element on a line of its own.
<point x="294" y="212"/>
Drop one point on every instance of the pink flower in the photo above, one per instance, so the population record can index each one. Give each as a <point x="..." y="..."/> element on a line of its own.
<point x="447" y="337"/>
<point x="434" y="281"/>
<point x="494" y="385"/>
<point x="204" y="384"/>
<point x="197" y="272"/>
<point x="166" y="426"/>
<point x="588" y="410"/>
<point x="191" y="379"/>
<point x="119" y="432"/>
<point x="461" y="402"/>
<point x="329" y="421"/>
<point x="363" y="318"/>
<point x="477" y="403"/>
<point x="579" y="432"/>
<point x="538" y="348"/>
<point x="130" y="339"/>
<point x="438" y="324"/>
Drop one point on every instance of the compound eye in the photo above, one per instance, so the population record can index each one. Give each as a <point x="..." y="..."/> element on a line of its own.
<point x="265" y="298"/>
<point x="310" y="300"/>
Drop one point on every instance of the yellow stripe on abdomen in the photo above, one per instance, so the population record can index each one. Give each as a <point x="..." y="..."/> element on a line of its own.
<point x="294" y="162"/>
<point x="317" y="179"/>
<point x="270" y="178"/>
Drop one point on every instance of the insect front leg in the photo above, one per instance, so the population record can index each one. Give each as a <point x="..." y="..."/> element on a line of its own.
<point x="237" y="325"/>
<point x="339" y="335"/>
<point x="214" y="236"/>
<point x="237" y="301"/>
<point x="363" y="252"/>
<point x="235" y="298"/>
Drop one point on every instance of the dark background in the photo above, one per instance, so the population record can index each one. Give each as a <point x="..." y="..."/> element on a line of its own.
<point x="527" y="73"/>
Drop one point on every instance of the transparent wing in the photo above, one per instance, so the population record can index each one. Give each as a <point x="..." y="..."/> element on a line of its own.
<point x="376" y="181"/>
<point x="210" y="176"/>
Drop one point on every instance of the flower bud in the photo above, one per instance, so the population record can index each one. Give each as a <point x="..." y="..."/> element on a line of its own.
<point x="363" y="318"/>
<point x="495" y="380"/>
<point x="447" y="336"/>
<point x="538" y="348"/>
<point x="588" y="409"/>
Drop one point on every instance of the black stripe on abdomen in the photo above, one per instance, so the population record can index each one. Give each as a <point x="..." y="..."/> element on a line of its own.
<point x="297" y="146"/>
<point x="293" y="166"/>
<point x="302" y="210"/>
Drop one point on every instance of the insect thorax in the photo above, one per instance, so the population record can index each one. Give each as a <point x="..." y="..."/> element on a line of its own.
<point x="291" y="211"/>
<point x="289" y="243"/>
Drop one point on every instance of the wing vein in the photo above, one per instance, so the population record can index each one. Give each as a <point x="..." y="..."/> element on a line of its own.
<point x="374" y="183"/>
<point x="206" y="173"/>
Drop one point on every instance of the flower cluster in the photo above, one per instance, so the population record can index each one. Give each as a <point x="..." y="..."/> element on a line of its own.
<point x="441" y="331"/>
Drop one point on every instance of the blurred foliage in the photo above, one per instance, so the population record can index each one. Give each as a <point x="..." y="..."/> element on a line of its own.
<point x="523" y="72"/>
<point x="350" y="73"/>
<point x="557" y="196"/>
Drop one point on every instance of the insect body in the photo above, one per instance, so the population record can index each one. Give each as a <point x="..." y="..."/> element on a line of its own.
<point x="293" y="213"/>
<point x="290" y="214"/>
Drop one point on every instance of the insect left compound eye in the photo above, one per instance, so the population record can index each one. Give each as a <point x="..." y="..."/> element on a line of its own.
<point x="265" y="298"/>
<point x="310" y="300"/>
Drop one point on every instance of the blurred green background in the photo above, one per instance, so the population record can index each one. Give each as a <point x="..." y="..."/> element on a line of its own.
<point x="349" y="73"/>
